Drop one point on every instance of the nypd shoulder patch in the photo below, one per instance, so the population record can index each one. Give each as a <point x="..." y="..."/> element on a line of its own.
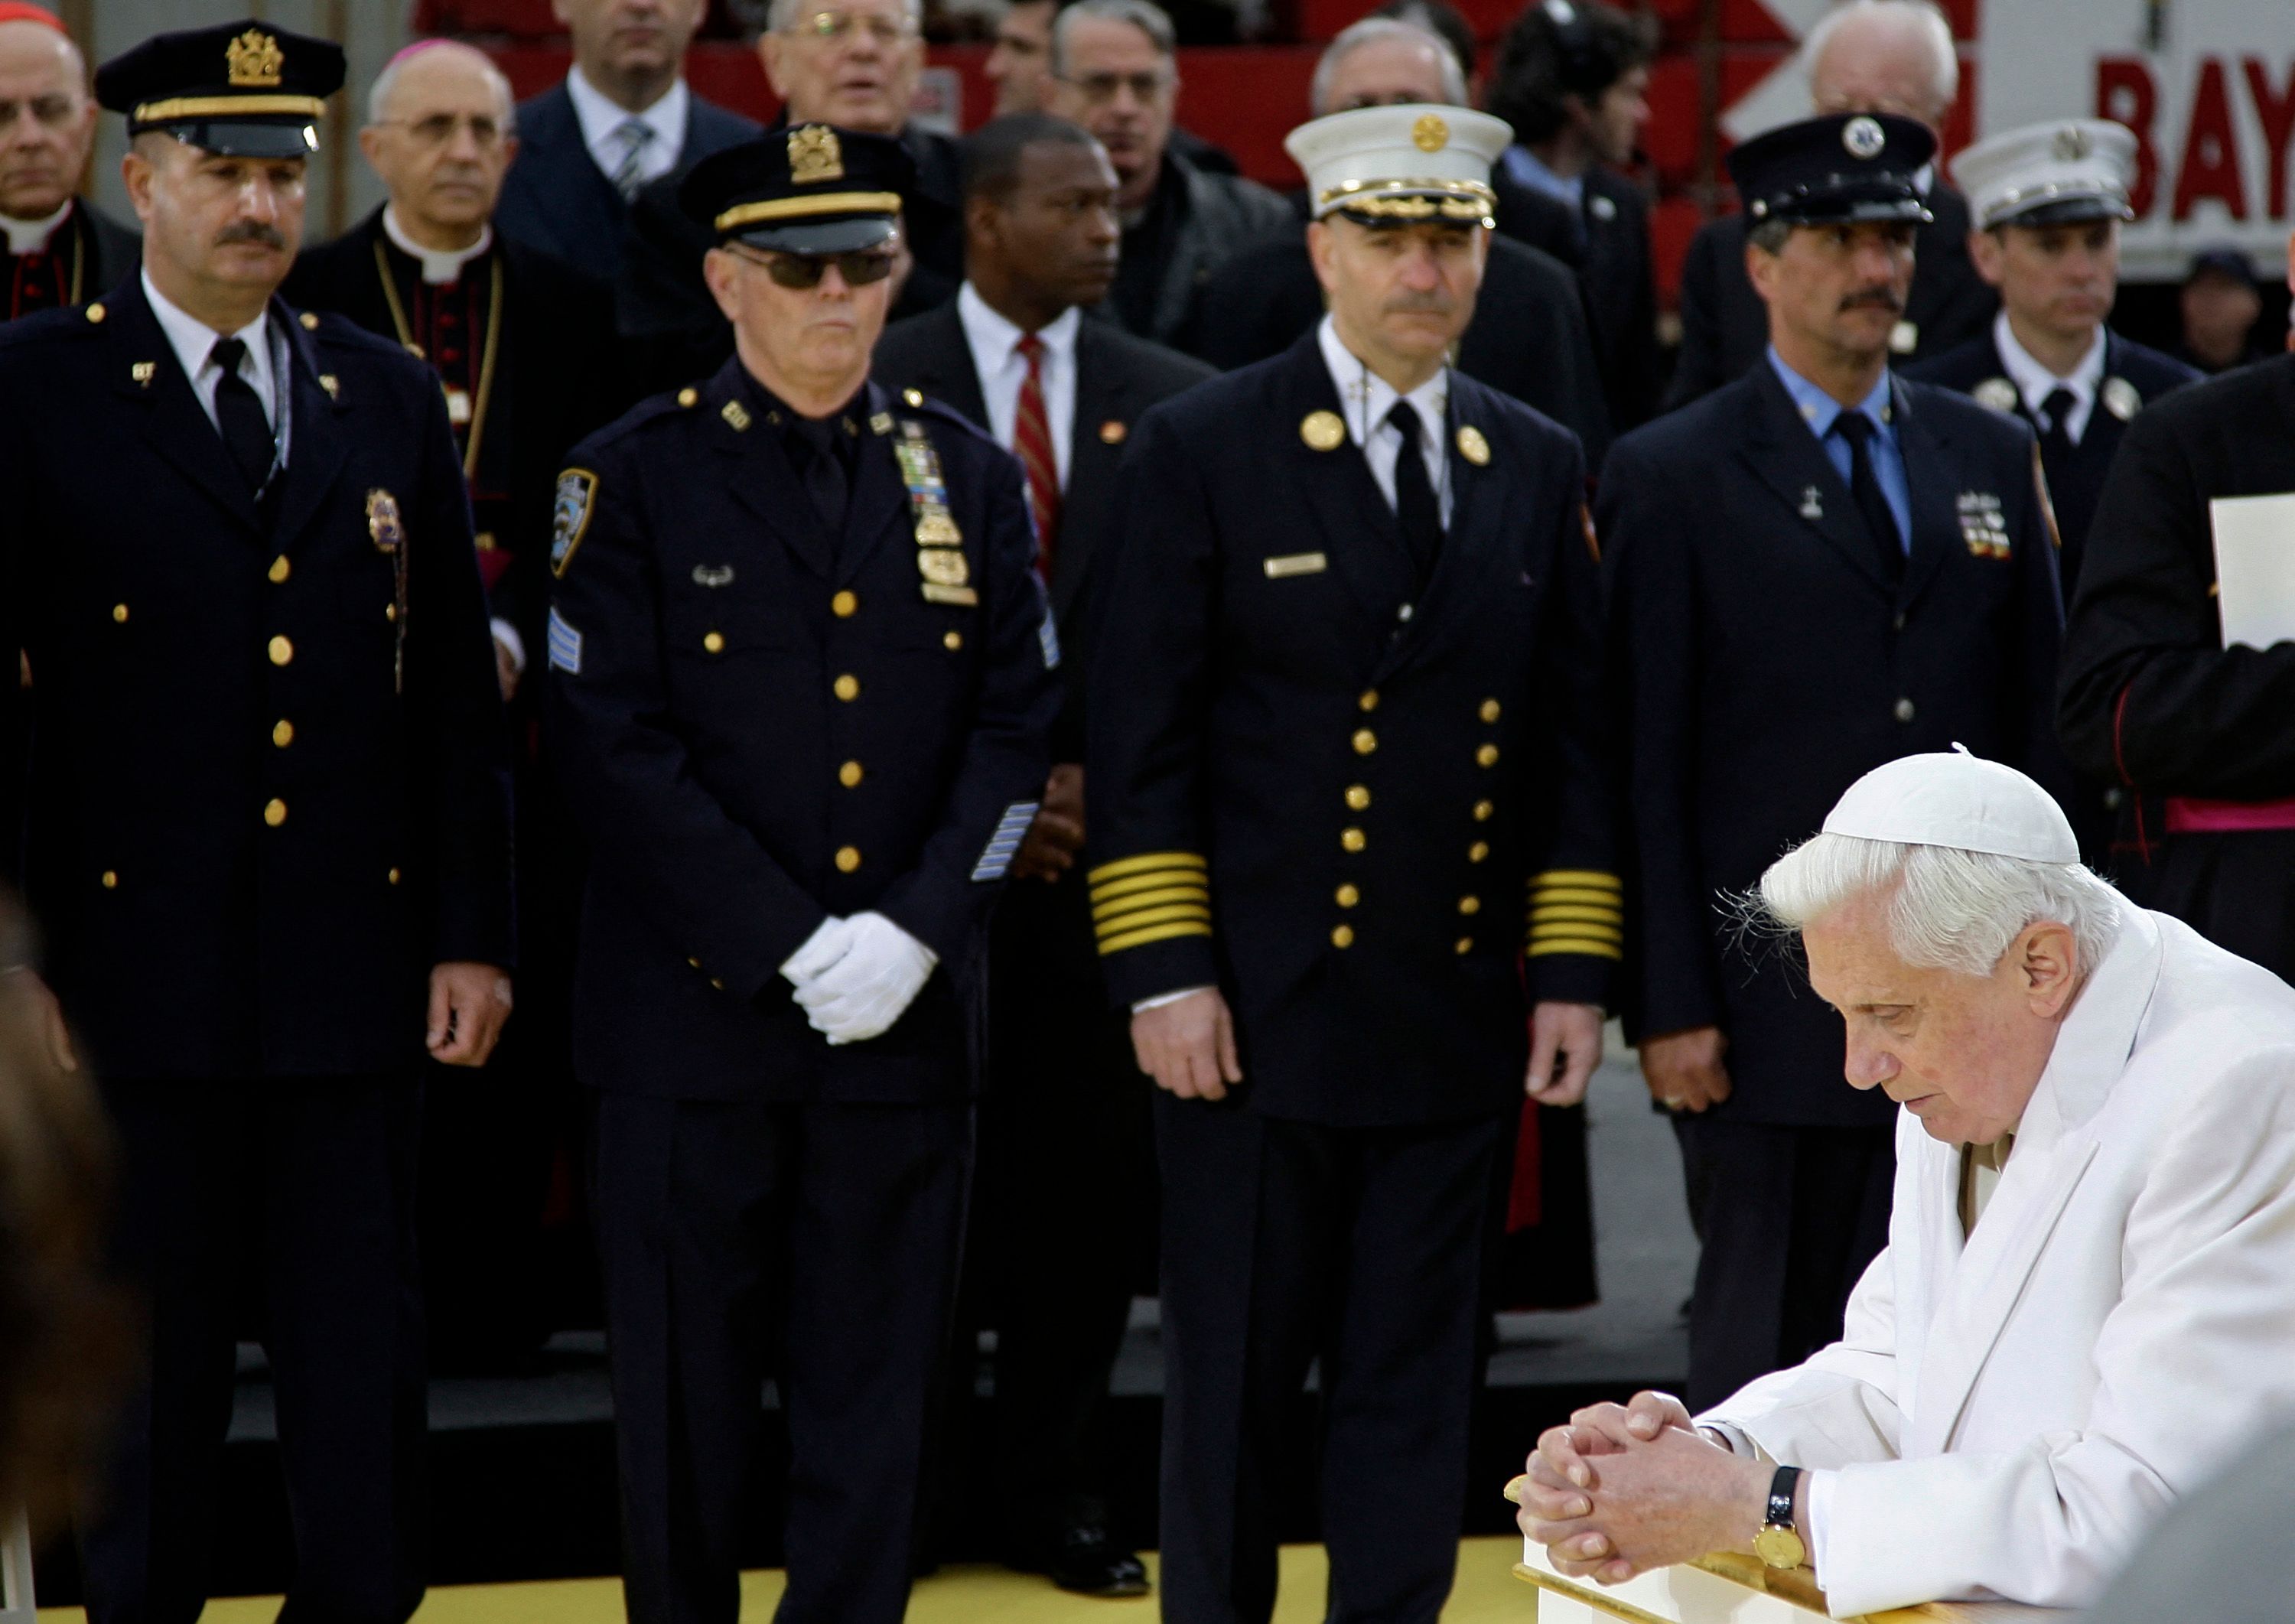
<point x="570" y="516"/>
<point x="1004" y="845"/>
<point x="565" y="645"/>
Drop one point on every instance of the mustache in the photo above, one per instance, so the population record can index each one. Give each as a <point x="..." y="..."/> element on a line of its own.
<point x="252" y="231"/>
<point x="1876" y="299"/>
<point x="1420" y="304"/>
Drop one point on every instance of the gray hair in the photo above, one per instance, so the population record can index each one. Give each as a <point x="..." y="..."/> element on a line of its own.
<point x="1948" y="910"/>
<point x="784" y="14"/>
<point x="1945" y="56"/>
<point x="1368" y="31"/>
<point x="1144" y="15"/>
<point x="378" y="96"/>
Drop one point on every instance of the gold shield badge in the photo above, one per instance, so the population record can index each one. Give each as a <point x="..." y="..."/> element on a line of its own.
<point x="382" y="523"/>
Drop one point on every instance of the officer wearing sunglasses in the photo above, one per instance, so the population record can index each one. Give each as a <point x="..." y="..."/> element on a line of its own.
<point x="801" y="682"/>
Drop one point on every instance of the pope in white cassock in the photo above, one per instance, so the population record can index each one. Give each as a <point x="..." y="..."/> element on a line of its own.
<point x="2087" y="1306"/>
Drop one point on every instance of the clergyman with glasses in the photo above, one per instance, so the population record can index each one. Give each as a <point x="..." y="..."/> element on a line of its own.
<point x="801" y="686"/>
<point x="1114" y="72"/>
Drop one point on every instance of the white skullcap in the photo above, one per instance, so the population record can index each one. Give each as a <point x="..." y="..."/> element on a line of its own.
<point x="1401" y="164"/>
<point x="1958" y="800"/>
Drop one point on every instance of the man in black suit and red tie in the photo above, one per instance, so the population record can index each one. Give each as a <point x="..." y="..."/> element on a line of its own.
<point x="1063" y="1149"/>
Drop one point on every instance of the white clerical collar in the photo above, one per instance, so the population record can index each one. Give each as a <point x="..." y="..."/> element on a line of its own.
<point x="1369" y="397"/>
<point x="439" y="265"/>
<point x="2035" y="382"/>
<point x="30" y="236"/>
<point x="600" y="114"/>
<point x="994" y="335"/>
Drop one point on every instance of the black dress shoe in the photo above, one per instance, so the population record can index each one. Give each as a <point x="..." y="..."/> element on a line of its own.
<point x="1082" y="1559"/>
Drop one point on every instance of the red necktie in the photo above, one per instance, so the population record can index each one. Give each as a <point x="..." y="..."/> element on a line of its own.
<point x="1031" y="438"/>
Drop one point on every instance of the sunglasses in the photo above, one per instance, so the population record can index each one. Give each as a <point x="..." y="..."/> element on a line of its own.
<point x="800" y="271"/>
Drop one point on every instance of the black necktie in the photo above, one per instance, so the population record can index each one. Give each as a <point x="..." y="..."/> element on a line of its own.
<point x="1871" y="506"/>
<point x="1414" y="493"/>
<point x="2057" y="435"/>
<point x="238" y="414"/>
<point x="822" y="464"/>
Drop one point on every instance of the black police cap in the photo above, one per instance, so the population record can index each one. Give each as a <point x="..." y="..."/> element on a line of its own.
<point x="1844" y="167"/>
<point x="244" y="89"/>
<point x="809" y="189"/>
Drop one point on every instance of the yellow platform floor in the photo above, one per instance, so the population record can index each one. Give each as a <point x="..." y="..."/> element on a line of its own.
<point x="1487" y="1593"/>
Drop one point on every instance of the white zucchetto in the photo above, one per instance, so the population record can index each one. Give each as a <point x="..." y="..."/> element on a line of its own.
<point x="1955" y="799"/>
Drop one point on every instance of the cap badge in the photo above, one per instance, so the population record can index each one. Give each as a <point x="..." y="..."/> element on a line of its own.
<point x="1472" y="446"/>
<point x="1863" y="138"/>
<point x="1430" y="133"/>
<point x="814" y="154"/>
<point x="254" y="60"/>
<point x="1322" y="430"/>
<point x="2120" y="398"/>
<point x="2072" y="144"/>
<point x="1997" y="393"/>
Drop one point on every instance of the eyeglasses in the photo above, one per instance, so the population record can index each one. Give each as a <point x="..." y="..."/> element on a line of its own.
<point x="836" y="26"/>
<point x="802" y="271"/>
<point x="439" y="129"/>
<point x="1101" y="88"/>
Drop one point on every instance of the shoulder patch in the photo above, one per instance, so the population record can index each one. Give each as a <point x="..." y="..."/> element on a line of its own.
<point x="569" y="515"/>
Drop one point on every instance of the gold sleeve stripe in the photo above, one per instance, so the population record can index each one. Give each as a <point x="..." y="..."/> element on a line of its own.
<point x="1555" y="932"/>
<point x="1591" y="916"/>
<point x="1576" y="877"/>
<point x="1114" y="888"/>
<point x="1145" y="861"/>
<point x="1157" y="932"/>
<point x="1572" y="893"/>
<point x="1150" y="899"/>
<point x="1586" y="946"/>
<point x="1122" y="923"/>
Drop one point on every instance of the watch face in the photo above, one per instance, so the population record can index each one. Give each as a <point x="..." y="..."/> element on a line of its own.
<point x="1779" y="1547"/>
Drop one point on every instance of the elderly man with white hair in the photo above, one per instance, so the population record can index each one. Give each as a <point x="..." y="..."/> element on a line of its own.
<point x="2087" y="1307"/>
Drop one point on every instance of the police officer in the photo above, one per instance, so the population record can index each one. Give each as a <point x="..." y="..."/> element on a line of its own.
<point x="267" y="822"/>
<point x="802" y="682"/>
<point x="1814" y="570"/>
<point x="1343" y="766"/>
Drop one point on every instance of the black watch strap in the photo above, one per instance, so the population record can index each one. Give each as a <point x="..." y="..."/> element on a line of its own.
<point x="1781" y="1498"/>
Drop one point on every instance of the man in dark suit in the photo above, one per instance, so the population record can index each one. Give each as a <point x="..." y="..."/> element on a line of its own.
<point x="1529" y="337"/>
<point x="1574" y="80"/>
<point x="2196" y="735"/>
<point x="854" y="68"/>
<point x="1814" y="570"/>
<point x="61" y="249"/>
<point x="1864" y="56"/>
<point x="802" y="674"/>
<point x="267" y="820"/>
<point x="622" y="118"/>
<point x="523" y="346"/>
<point x="1346" y="760"/>
<point x="1064" y="1147"/>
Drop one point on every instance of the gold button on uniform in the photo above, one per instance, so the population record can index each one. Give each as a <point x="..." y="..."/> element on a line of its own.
<point x="713" y="641"/>
<point x="686" y="398"/>
<point x="283" y="652"/>
<point x="952" y="640"/>
<point x="1482" y="810"/>
<point x="844" y="605"/>
<point x="1344" y="936"/>
<point x="390" y="612"/>
<point x="847" y="687"/>
<point x="393" y="877"/>
<point x="1463" y="944"/>
<point x="279" y="569"/>
<point x="1470" y="905"/>
<point x="848" y="858"/>
<point x="283" y="732"/>
<point x="119" y="613"/>
<point x="1478" y="850"/>
<point x="1489" y="711"/>
<point x="1358" y="796"/>
<point x="849" y="774"/>
<point x="1370" y="699"/>
<point x="274" y="812"/>
<point x="1366" y="742"/>
<point x="1349" y="896"/>
<point x="1352" y="839"/>
<point x="1487" y="756"/>
<point x="110" y="880"/>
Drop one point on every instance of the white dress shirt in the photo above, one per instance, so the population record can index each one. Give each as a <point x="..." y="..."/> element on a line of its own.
<point x="601" y="119"/>
<point x="194" y="341"/>
<point x="1367" y="399"/>
<point x="441" y="267"/>
<point x="2035" y="383"/>
<point x="1003" y="369"/>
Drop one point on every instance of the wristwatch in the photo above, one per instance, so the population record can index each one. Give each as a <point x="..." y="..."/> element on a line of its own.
<point x="1778" y="1544"/>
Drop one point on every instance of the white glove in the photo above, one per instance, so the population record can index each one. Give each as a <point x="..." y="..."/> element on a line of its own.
<point x="823" y="948"/>
<point x="860" y="995"/>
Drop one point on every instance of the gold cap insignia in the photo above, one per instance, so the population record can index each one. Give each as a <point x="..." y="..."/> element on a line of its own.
<point x="1472" y="446"/>
<point x="2120" y="398"/>
<point x="253" y="60"/>
<point x="814" y="154"/>
<point x="1112" y="432"/>
<point x="1997" y="393"/>
<point x="1430" y="133"/>
<point x="1322" y="430"/>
